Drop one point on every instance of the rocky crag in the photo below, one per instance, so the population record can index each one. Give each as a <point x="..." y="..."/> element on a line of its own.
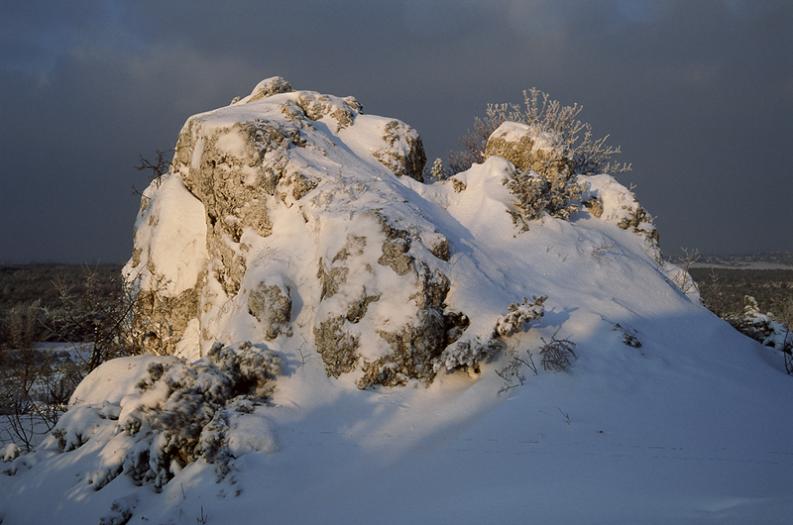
<point x="292" y="219"/>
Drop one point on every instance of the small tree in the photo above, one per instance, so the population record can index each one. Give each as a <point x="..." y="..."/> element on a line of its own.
<point x="682" y="278"/>
<point x="155" y="168"/>
<point x="437" y="171"/>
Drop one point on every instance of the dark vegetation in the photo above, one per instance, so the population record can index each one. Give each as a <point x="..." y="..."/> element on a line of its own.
<point x="39" y="287"/>
<point x="56" y="303"/>
<point x="723" y="290"/>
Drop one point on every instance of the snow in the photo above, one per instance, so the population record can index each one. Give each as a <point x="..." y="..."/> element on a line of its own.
<point x="10" y="452"/>
<point x="173" y="227"/>
<point x="687" y="428"/>
<point x="114" y="380"/>
<point x="189" y="347"/>
<point x="251" y="433"/>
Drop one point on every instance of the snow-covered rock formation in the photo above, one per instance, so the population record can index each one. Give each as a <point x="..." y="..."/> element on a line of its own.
<point x="289" y="218"/>
<point x="283" y="221"/>
<point x="320" y="301"/>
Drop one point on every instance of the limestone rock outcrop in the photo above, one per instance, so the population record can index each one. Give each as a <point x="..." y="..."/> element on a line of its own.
<point x="293" y="220"/>
<point x="281" y="219"/>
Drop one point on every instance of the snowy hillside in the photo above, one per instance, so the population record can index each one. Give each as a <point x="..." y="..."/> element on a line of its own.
<point x="386" y="347"/>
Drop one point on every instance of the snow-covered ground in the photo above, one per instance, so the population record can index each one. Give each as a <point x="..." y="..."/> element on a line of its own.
<point x="690" y="426"/>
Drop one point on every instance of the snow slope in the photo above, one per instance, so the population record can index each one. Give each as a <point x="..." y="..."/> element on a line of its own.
<point x="689" y="427"/>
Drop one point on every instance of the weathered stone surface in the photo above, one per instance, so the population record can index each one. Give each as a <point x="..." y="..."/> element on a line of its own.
<point x="395" y="249"/>
<point x="554" y="189"/>
<point x="440" y="248"/>
<point x="280" y="178"/>
<point x="405" y="152"/>
<point x="336" y="345"/>
<point x="271" y="305"/>
<point x="526" y="148"/>
<point x="357" y="309"/>
<point x="161" y="320"/>
<point x="417" y="346"/>
<point x="353" y="247"/>
<point x="331" y="279"/>
<point x="269" y="87"/>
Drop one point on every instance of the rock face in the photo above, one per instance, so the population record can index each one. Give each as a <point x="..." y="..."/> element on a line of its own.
<point x="292" y="220"/>
<point x="281" y="217"/>
<point x="543" y="180"/>
<point x="527" y="148"/>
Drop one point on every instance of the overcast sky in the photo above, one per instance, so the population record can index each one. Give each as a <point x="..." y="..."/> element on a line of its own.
<point x="698" y="93"/>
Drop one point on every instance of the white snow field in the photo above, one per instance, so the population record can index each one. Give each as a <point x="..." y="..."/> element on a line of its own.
<point x="692" y="426"/>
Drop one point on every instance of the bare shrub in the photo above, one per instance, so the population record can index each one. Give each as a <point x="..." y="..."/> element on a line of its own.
<point x="27" y="384"/>
<point x="512" y="373"/>
<point x="557" y="354"/>
<point x="97" y="314"/>
<point x="156" y="167"/>
<point x="589" y="155"/>
<point x="467" y="354"/>
<point x="682" y="278"/>
<point x="36" y="382"/>
<point x="21" y="324"/>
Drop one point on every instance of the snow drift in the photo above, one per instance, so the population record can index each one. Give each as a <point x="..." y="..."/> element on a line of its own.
<point x="322" y="302"/>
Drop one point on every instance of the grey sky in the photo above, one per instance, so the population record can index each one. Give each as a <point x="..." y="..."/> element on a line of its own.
<point x="699" y="94"/>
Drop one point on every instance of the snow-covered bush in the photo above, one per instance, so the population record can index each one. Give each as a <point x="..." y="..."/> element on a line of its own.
<point x="766" y="328"/>
<point x="519" y="315"/>
<point x="468" y="353"/>
<point x="180" y="413"/>
<point x="589" y="155"/>
<point x="530" y="192"/>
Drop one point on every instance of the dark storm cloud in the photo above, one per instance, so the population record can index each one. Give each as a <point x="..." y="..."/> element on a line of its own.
<point x="699" y="94"/>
